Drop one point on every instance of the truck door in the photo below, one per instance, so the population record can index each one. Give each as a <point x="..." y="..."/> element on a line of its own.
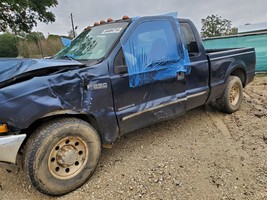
<point x="197" y="82"/>
<point x="151" y="96"/>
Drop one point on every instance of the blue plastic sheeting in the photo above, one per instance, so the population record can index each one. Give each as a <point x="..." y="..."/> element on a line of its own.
<point x="153" y="51"/>
<point x="65" y="41"/>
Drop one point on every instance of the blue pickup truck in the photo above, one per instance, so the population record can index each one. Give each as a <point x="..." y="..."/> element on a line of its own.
<point x="115" y="77"/>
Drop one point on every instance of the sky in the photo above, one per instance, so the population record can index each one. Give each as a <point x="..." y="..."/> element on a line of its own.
<point x="86" y="12"/>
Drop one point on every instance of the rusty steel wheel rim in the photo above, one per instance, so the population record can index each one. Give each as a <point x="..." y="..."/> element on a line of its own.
<point x="234" y="94"/>
<point x="68" y="158"/>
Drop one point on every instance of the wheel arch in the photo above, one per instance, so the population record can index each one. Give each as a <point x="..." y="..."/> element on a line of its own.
<point x="64" y="114"/>
<point x="240" y="72"/>
<point x="238" y="69"/>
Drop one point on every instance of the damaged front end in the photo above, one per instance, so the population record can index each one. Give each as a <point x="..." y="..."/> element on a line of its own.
<point x="34" y="89"/>
<point x="31" y="88"/>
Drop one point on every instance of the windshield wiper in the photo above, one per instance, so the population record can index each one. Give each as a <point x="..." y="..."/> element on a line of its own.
<point x="67" y="56"/>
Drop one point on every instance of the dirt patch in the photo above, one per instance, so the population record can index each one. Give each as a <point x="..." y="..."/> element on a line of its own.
<point x="202" y="155"/>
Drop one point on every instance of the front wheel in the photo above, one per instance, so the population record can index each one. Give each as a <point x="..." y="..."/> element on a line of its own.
<point x="61" y="155"/>
<point x="232" y="95"/>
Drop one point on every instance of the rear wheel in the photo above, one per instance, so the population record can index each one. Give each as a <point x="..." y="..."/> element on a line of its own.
<point x="61" y="155"/>
<point x="232" y="95"/>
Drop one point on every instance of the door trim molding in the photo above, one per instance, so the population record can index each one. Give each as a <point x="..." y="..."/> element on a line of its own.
<point x="163" y="105"/>
<point x="153" y="108"/>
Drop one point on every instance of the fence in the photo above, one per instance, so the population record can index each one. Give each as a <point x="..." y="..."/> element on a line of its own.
<point x="256" y="40"/>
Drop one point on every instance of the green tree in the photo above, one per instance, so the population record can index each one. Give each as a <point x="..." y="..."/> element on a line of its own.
<point x="22" y="15"/>
<point x="214" y="25"/>
<point x="53" y="37"/>
<point x="8" y="44"/>
<point x="35" y="37"/>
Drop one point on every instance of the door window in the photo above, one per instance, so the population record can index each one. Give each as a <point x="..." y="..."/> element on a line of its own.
<point x="152" y="53"/>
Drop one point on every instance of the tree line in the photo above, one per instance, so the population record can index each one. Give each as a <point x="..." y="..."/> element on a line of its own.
<point x="31" y="45"/>
<point x="17" y="18"/>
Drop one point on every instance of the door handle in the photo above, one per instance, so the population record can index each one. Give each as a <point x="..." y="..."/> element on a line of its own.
<point x="180" y="76"/>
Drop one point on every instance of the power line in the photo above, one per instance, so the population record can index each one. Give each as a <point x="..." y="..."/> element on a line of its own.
<point x="67" y="13"/>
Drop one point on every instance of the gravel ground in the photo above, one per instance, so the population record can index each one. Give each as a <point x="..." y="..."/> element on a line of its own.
<point x="202" y="155"/>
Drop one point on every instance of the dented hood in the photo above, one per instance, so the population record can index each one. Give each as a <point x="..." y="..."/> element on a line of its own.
<point x="12" y="68"/>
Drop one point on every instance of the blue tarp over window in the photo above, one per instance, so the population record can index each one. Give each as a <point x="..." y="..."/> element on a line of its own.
<point x="154" y="51"/>
<point x="65" y="41"/>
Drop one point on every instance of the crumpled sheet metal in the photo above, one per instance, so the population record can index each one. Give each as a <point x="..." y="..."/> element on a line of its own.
<point x="23" y="103"/>
<point x="10" y="68"/>
<point x="153" y="52"/>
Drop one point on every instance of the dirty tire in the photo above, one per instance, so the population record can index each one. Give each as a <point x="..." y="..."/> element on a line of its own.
<point x="232" y="95"/>
<point x="61" y="155"/>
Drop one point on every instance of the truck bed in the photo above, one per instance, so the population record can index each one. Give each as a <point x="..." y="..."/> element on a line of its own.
<point x="221" y="59"/>
<point x="208" y="51"/>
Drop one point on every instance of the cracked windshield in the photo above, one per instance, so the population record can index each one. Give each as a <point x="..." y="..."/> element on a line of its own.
<point x="93" y="43"/>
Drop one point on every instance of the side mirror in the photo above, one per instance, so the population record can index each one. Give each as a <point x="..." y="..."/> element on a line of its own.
<point x="121" y="69"/>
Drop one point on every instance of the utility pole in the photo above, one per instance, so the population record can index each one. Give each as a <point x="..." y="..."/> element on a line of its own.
<point x="71" y="17"/>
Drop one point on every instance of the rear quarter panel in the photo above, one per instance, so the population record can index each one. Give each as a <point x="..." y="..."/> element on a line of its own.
<point x="224" y="63"/>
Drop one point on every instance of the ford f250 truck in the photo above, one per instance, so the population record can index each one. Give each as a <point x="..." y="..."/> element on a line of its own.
<point x="115" y="77"/>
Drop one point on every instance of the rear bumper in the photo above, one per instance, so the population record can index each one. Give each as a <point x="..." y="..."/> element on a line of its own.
<point x="9" y="147"/>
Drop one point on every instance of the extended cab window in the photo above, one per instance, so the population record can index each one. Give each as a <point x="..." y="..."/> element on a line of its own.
<point x="190" y="39"/>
